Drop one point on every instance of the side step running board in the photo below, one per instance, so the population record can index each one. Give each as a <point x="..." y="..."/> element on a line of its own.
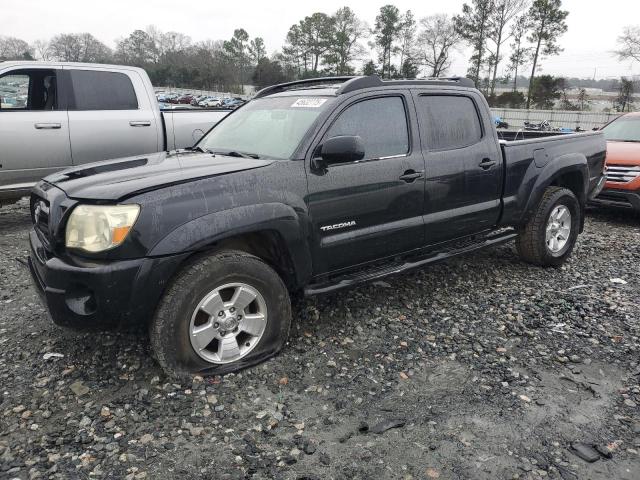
<point x="379" y="272"/>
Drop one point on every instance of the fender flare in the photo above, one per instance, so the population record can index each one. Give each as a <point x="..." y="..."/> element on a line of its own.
<point x="552" y="171"/>
<point x="201" y="232"/>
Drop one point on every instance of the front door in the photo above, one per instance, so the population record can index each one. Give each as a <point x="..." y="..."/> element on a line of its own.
<point x="34" y="130"/>
<point x="463" y="166"/>
<point x="372" y="208"/>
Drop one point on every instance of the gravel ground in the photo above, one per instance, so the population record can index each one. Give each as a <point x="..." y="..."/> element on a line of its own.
<point x="479" y="368"/>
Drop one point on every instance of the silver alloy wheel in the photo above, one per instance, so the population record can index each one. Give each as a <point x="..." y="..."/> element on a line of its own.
<point x="558" y="228"/>
<point x="228" y="323"/>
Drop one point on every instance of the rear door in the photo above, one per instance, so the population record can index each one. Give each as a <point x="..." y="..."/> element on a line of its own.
<point x="372" y="208"/>
<point x="110" y="115"/>
<point x="463" y="165"/>
<point x="34" y="129"/>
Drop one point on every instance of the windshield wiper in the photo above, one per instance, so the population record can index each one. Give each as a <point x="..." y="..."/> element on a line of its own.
<point x="234" y="153"/>
<point x="198" y="148"/>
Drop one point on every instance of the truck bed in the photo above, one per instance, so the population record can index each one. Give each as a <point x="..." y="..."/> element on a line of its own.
<point x="544" y="153"/>
<point x="513" y="135"/>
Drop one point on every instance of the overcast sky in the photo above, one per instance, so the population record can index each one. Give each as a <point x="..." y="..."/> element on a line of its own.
<point x="593" y="25"/>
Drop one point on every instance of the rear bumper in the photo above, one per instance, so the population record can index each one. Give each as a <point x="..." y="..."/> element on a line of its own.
<point x="105" y="295"/>
<point x="611" y="197"/>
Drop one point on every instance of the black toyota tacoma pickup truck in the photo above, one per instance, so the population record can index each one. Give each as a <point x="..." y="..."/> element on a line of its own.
<point x="310" y="187"/>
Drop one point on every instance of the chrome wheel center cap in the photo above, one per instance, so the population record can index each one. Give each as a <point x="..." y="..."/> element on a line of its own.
<point x="229" y="323"/>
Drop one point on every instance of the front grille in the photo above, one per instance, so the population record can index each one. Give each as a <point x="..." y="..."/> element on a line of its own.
<point x="622" y="174"/>
<point x="40" y="218"/>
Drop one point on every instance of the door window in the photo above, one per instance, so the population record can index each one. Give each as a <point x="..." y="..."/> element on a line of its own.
<point x="380" y="122"/>
<point x="28" y="90"/>
<point x="449" y="122"/>
<point x="96" y="90"/>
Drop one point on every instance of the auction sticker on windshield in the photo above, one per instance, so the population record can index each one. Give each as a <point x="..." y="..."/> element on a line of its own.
<point x="309" y="102"/>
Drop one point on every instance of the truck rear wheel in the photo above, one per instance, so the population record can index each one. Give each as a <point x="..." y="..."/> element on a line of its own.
<point x="549" y="236"/>
<point x="223" y="312"/>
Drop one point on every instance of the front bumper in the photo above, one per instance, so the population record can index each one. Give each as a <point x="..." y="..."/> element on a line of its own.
<point x="611" y="197"/>
<point x="88" y="295"/>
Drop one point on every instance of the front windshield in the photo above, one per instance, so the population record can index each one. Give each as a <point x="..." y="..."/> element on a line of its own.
<point x="624" y="129"/>
<point x="265" y="127"/>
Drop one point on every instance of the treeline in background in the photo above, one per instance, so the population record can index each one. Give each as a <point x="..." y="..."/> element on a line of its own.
<point x="507" y="41"/>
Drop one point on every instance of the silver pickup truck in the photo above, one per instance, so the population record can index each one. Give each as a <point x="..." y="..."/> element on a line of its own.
<point x="56" y="115"/>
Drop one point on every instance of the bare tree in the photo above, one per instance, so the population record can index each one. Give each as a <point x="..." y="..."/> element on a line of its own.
<point x="629" y="43"/>
<point x="12" y="48"/>
<point x="78" y="47"/>
<point x="42" y="50"/>
<point x="504" y="11"/>
<point x="436" y="41"/>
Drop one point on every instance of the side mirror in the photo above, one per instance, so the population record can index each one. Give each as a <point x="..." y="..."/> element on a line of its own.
<point x="342" y="149"/>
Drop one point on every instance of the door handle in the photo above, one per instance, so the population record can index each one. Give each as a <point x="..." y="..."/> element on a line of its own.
<point x="487" y="163"/>
<point x="411" y="175"/>
<point x="140" y="123"/>
<point x="48" y="126"/>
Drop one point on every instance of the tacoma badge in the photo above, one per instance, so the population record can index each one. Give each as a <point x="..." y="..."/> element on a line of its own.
<point x="338" y="226"/>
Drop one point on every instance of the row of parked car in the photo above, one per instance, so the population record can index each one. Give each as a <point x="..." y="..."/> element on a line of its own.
<point x="204" y="101"/>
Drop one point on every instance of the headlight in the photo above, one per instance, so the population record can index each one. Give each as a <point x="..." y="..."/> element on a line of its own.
<point x="95" y="228"/>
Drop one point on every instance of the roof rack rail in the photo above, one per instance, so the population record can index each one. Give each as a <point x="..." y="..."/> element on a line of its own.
<point x="350" y="84"/>
<point x="301" y="83"/>
<point x="461" y="81"/>
<point x="358" y="83"/>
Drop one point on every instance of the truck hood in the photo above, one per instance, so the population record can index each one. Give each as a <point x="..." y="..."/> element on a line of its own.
<point x="623" y="153"/>
<point x="124" y="177"/>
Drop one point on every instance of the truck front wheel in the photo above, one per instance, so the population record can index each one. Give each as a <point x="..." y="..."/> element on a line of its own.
<point x="549" y="236"/>
<point x="222" y="313"/>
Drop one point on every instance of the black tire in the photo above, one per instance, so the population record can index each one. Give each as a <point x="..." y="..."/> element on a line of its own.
<point x="531" y="241"/>
<point x="169" y="330"/>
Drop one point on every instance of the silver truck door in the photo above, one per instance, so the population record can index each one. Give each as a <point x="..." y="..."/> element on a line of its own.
<point x="34" y="129"/>
<point x="110" y="115"/>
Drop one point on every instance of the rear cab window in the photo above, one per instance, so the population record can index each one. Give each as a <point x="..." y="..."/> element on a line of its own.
<point x="98" y="90"/>
<point x="380" y="122"/>
<point x="448" y="122"/>
<point x="29" y="90"/>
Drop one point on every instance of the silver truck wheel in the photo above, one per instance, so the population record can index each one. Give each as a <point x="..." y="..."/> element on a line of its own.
<point x="223" y="311"/>
<point x="558" y="229"/>
<point x="228" y="323"/>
